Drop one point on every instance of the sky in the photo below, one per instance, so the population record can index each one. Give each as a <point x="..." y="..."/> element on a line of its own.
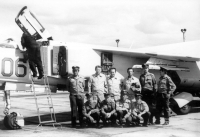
<point x="136" y="23"/>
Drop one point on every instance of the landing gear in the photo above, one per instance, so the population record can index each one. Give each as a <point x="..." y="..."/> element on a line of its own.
<point x="7" y="104"/>
<point x="181" y="111"/>
<point x="185" y="109"/>
<point x="181" y="103"/>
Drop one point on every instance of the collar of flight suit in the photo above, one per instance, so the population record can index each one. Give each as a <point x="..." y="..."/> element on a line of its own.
<point x="98" y="75"/>
<point x="132" y="77"/>
<point x="165" y="76"/>
<point x="146" y="73"/>
<point x="112" y="77"/>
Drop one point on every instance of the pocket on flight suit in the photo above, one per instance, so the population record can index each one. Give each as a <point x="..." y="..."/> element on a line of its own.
<point x="80" y="84"/>
<point x="149" y="80"/>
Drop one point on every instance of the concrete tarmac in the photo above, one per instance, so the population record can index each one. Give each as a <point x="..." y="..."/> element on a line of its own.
<point x="24" y="103"/>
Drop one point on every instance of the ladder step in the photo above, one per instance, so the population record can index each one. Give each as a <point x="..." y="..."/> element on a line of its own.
<point x="45" y="93"/>
<point x="51" y="107"/>
<point x="39" y="99"/>
<point x="40" y="86"/>
<point x="42" y="89"/>
<point x="44" y="107"/>
<point x="47" y="122"/>
<point x="42" y="97"/>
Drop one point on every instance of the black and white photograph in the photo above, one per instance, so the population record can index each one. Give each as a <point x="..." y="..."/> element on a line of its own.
<point x="99" y="68"/>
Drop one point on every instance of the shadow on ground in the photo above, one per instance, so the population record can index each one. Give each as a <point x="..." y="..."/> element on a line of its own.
<point x="60" y="117"/>
<point x="2" y="127"/>
<point x="64" y="117"/>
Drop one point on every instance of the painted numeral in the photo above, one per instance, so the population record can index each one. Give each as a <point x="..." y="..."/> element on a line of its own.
<point x="17" y="66"/>
<point x="3" y="67"/>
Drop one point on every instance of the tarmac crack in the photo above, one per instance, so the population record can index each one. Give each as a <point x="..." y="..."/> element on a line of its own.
<point x="194" y="118"/>
<point x="182" y="129"/>
<point x="92" y="133"/>
<point x="135" y="131"/>
<point x="67" y="129"/>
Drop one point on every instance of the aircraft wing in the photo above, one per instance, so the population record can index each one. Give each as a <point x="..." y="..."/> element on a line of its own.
<point x="184" y="51"/>
<point x="174" y="57"/>
<point x="123" y="51"/>
<point x="187" y="51"/>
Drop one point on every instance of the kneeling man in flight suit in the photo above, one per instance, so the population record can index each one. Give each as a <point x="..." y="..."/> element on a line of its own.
<point x="108" y="110"/>
<point x="139" y="111"/>
<point x="91" y="110"/>
<point x="122" y="108"/>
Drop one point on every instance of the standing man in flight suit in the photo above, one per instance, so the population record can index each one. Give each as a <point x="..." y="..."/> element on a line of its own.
<point x="108" y="110"/>
<point x="33" y="50"/>
<point x="148" y="84"/>
<point x="76" y="85"/>
<point x="97" y="84"/>
<point x="149" y="89"/>
<point x="131" y="85"/>
<point x="114" y="84"/>
<point x="166" y="87"/>
<point x="91" y="110"/>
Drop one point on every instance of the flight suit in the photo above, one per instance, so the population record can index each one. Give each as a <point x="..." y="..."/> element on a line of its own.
<point x="132" y="86"/>
<point x="114" y="87"/>
<point x="108" y="107"/>
<point x="139" y="108"/>
<point x="149" y="89"/>
<point x="75" y="86"/>
<point x="92" y="107"/>
<point x="33" y="50"/>
<point x="97" y="84"/>
<point x="165" y="88"/>
<point x="122" y="109"/>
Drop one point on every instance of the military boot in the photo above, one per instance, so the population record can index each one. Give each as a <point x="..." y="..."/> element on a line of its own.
<point x="166" y="121"/>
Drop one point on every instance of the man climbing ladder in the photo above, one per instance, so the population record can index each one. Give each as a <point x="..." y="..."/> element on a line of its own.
<point x="34" y="56"/>
<point x="41" y="106"/>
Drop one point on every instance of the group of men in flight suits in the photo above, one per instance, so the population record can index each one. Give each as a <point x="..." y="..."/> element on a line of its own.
<point x="109" y="98"/>
<point x="118" y="102"/>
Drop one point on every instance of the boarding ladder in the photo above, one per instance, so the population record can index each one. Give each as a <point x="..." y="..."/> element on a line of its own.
<point x="47" y="89"/>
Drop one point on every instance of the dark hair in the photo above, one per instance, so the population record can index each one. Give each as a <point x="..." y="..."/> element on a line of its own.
<point x="113" y="68"/>
<point x="145" y="65"/>
<point x="163" y="70"/>
<point x="98" y="67"/>
<point x="88" y="95"/>
<point x="76" y="67"/>
<point x="129" y="69"/>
